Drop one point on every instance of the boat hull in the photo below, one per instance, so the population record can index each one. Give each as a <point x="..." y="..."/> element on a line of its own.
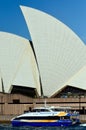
<point x="55" y="123"/>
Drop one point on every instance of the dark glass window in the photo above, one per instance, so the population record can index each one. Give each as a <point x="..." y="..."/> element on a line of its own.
<point x="16" y="101"/>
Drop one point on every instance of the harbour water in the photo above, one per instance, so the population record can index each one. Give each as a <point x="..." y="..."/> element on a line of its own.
<point x="9" y="127"/>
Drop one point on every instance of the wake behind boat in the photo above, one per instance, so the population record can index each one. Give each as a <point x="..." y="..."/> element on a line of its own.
<point x="46" y="116"/>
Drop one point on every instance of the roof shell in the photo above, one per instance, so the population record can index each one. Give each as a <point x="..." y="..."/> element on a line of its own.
<point x="60" y="52"/>
<point x="17" y="62"/>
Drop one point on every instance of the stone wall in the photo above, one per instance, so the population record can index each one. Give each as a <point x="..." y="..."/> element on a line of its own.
<point x="12" y="104"/>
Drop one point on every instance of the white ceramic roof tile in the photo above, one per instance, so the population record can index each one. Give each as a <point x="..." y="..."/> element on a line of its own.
<point x="17" y="62"/>
<point x="60" y="52"/>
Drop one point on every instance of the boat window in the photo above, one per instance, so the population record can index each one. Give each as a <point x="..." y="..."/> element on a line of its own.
<point x="65" y="117"/>
<point x="55" y="109"/>
<point x="44" y="110"/>
<point x="35" y="110"/>
<point x="40" y="110"/>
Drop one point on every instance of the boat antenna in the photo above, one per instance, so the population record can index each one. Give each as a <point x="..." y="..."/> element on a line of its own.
<point x="45" y="103"/>
<point x="41" y="88"/>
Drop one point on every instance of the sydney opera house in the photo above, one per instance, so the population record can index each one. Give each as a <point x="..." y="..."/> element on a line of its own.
<point x="51" y="64"/>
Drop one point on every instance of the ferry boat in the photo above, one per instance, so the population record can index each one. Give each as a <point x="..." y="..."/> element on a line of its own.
<point x="47" y="116"/>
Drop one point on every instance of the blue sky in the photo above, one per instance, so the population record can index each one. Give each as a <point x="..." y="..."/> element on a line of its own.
<point x="70" y="12"/>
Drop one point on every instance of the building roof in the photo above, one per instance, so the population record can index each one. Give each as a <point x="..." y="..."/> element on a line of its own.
<point x="17" y="63"/>
<point x="55" y="58"/>
<point x="60" y="52"/>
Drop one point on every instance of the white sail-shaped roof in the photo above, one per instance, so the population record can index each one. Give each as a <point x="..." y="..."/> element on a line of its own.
<point x="79" y="80"/>
<point x="17" y="62"/>
<point x="60" y="52"/>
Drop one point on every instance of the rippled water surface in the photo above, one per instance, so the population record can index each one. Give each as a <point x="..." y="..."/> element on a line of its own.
<point x="9" y="127"/>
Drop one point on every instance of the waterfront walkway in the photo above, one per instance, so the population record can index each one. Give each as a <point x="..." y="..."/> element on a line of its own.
<point x="83" y="118"/>
<point x="6" y="118"/>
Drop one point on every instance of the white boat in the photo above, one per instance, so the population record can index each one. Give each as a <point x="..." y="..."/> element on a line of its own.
<point x="46" y="116"/>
